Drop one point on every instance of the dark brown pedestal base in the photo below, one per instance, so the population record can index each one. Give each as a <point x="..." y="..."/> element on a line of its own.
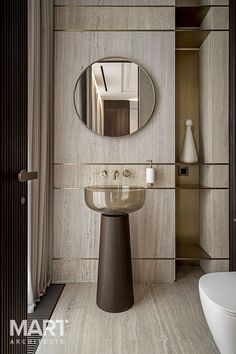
<point x="115" y="281"/>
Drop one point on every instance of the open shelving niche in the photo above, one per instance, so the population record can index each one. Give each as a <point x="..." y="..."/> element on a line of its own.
<point x="189" y="37"/>
<point x="188" y="32"/>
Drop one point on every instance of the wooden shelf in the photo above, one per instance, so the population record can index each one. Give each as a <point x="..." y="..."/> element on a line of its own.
<point x="195" y="186"/>
<point x="187" y="164"/>
<point x="190" y="16"/>
<point x="190" y="38"/>
<point x="200" y="164"/>
<point x="190" y="252"/>
<point x="191" y="186"/>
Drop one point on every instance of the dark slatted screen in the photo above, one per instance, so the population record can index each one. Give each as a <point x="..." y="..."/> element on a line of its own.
<point x="13" y="158"/>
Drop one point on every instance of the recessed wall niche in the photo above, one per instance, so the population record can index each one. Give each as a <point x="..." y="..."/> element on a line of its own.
<point x="201" y="93"/>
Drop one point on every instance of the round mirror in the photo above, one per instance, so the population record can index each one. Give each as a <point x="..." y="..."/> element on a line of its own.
<point x="114" y="97"/>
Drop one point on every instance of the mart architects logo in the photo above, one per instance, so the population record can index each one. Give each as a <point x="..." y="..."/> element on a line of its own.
<point x="49" y="331"/>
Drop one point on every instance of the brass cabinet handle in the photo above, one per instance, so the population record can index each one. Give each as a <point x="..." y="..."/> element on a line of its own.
<point x="25" y="176"/>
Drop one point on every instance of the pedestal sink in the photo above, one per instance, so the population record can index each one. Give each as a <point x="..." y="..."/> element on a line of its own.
<point x="115" y="281"/>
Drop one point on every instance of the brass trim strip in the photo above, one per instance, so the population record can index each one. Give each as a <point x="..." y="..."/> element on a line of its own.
<point x="154" y="188"/>
<point x="197" y="29"/>
<point x="191" y="49"/>
<point x="139" y="259"/>
<point x="210" y="6"/>
<point x="137" y="30"/>
<point x="147" y="188"/>
<point x="134" y="259"/>
<point x="76" y="5"/>
<point x="96" y="259"/>
<point x="122" y="30"/>
<point x="138" y="164"/>
<point x="108" y="163"/>
<point x="68" y="188"/>
<point x="112" y="6"/>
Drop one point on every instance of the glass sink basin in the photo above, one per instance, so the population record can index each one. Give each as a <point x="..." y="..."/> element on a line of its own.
<point x="114" y="199"/>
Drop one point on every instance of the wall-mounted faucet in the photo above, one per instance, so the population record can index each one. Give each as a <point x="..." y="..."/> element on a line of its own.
<point x="115" y="174"/>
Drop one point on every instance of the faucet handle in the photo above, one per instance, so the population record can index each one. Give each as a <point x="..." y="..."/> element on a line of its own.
<point x="103" y="173"/>
<point x="126" y="173"/>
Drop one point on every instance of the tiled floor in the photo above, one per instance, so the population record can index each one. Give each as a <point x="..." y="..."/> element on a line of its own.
<point x="166" y="318"/>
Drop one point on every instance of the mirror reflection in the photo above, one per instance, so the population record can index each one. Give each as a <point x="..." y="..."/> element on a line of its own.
<point x="114" y="97"/>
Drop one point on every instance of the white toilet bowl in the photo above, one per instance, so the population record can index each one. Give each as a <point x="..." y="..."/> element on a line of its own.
<point x="218" y="298"/>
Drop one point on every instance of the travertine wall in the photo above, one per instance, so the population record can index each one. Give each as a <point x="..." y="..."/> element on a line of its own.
<point x="214" y="144"/>
<point x="145" y="35"/>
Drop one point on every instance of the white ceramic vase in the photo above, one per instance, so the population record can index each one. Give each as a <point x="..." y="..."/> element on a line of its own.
<point x="188" y="151"/>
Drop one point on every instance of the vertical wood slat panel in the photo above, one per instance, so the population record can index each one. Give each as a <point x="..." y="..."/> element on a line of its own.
<point x="13" y="158"/>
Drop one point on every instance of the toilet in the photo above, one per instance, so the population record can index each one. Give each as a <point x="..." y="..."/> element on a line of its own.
<point x="218" y="298"/>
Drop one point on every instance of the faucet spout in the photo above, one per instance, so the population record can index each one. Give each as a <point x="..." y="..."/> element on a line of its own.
<point x="115" y="175"/>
